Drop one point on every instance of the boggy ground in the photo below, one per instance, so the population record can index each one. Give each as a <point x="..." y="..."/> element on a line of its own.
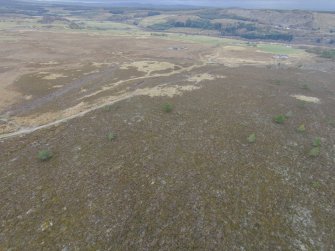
<point x="184" y="180"/>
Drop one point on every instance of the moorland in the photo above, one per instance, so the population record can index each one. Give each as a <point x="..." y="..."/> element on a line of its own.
<point x="166" y="129"/>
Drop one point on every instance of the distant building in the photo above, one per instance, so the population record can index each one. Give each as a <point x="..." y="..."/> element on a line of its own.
<point x="281" y="56"/>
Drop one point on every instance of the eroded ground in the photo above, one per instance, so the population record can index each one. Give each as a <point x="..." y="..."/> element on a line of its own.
<point x="52" y="76"/>
<point x="185" y="180"/>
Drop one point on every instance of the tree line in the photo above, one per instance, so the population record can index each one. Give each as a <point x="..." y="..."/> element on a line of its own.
<point x="244" y="30"/>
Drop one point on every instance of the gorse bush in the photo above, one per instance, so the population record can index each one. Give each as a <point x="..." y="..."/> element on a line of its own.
<point x="111" y="136"/>
<point x="301" y="128"/>
<point x="305" y="87"/>
<point x="314" y="152"/>
<point x="44" y="155"/>
<point x="167" y="108"/>
<point x="317" y="142"/>
<point x="279" y="119"/>
<point x="252" y="138"/>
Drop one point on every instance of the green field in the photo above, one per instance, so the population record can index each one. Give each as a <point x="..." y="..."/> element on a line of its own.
<point x="154" y="20"/>
<point x="202" y="39"/>
<point x="107" y="25"/>
<point x="121" y="29"/>
<point x="278" y="49"/>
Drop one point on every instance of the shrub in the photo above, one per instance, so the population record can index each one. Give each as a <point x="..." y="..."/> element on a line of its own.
<point x="271" y="36"/>
<point x="111" y="136"/>
<point x="301" y="128"/>
<point x="161" y="26"/>
<point x="324" y="53"/>
<point x="44" y="155"/>
<point x="314" y="152"/>
<point x="252" y="138"/>
<point x="280" y="119"/>
<point x="316" y="184"/>
<point x="167" y="108"/>
<point x="317" y="142"/>
<point x="305" y="87"/>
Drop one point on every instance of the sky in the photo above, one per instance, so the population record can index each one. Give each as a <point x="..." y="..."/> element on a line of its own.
<point x="327" y="5"/>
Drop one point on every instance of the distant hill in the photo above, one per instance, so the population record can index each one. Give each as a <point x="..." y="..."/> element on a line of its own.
<point x="324" y="5"/>
<point x="298" y="26"/>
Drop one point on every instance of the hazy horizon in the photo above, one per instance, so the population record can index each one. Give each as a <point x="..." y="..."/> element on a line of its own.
<point x="324" y="5"/>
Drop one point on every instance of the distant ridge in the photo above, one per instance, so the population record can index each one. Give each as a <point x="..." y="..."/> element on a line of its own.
<point x="320" y="5"/>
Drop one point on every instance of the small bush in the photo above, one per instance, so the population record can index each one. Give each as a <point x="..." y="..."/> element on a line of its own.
<point x="314" y="152"/>
<point x="252" y="138"/>
<point x="280" y="119"/>
<point x="305" y="87"/>
<point x="317" y="142"/>
<point x="44" y="155"/>
<point x="301" y="128"/>
<point x="167" y="108"/>
<point x="316" y="184"/>
<point x="111" y="136"/>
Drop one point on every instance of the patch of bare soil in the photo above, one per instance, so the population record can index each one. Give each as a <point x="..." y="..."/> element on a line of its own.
<point x="306" y="98"/>
<point x="202" y="77"/>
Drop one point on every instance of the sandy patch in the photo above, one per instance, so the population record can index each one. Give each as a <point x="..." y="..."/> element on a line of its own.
<point x="168" y="91"/>
<point x="149" y="66"/>
<point x="307" y="99"/>
<point x="49" y="63"/>
<point x="53" y="76"/>
<point x="91" y="72"/>
<point x="202" y="77"/>
<point x="42" y="73"/>
<point x="96" y="64"/>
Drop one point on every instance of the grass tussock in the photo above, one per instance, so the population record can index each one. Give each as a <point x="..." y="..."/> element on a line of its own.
<point x="315" y="151"/>
<point x="279" y="119"/>
<point x="301" y="128"/>
<point x="317" y="142"/>
<point x="44" y="155"/>
<point x="111" y="136"/>
<point x="167" y="108"/>
<point x="252" y="138"/>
